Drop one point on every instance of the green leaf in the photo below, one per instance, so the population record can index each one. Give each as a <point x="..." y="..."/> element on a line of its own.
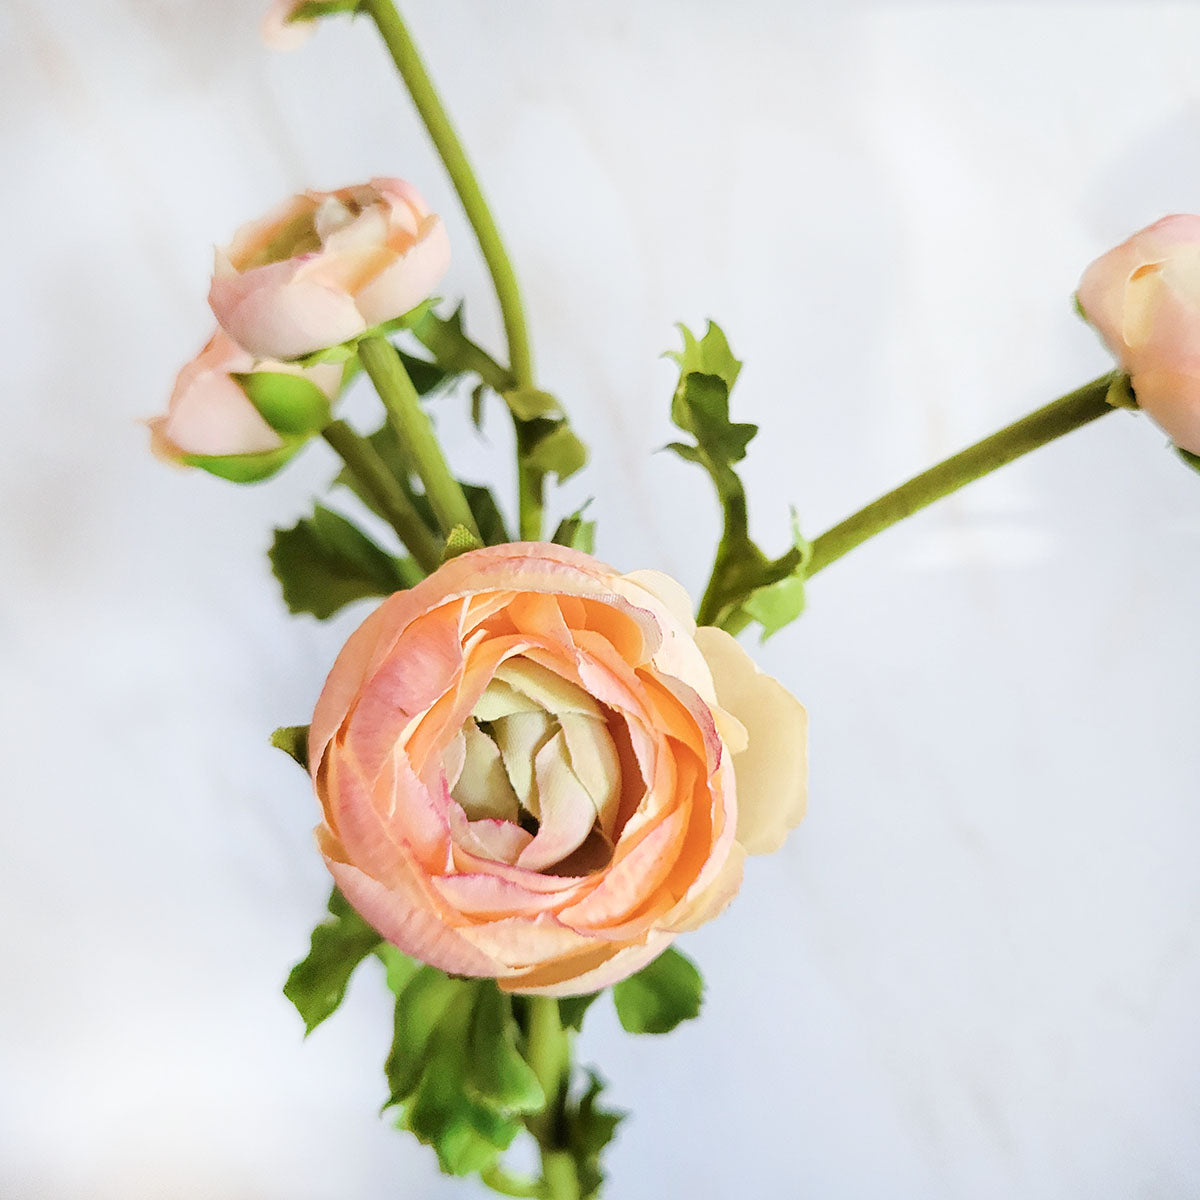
<point x="399" y="967"/>
<point x="1192" y="460"/>
<point x="291" y="404"/>
<point x="589" y="1130"/>
<point x="456" y="354"/>
<point x="487" y="514"/>
<point x="528" y="404"/>
<point x="317" y="984"/>
<point x="661" y="995"/>
<point x="293" y="741"/>
<point x="246" y="468"/>
<point x="419" y="1010"/>
<point x="460" y="540"/>
<point x="324" y="562"/>
<point x="779" y="603"/>
<point x="575" y="532"/>
<point x="427" y="377"/>
<point x="708" y="356"/>
<point x="499" y="1076"/>
<point x="558" y="452"/>
<point x="477" y="394"/>
<point x="571" y="1009"/>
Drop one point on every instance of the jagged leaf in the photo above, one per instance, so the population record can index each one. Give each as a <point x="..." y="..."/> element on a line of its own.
<point x="317" y="984"/>
<point x="589" y="1129"/>
<point x="557" y="452"/>
<point x="571" y="1009"/>
<point x="499" y="1076"/>
<point x="661" y="995"/>
<point x="325" y="562"/>
<point x="576" y="532"/>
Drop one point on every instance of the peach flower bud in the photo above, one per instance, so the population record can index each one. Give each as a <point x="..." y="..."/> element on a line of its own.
<point x="1144" y="300"/>
<point x="535" y="769"/>
<point x="327" y="266"/>
<point x="212" y="421"/>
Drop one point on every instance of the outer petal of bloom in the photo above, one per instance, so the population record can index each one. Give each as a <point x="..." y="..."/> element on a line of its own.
<point x="536" y="769"/>
<point x="210" y="418"/>
<point x="326" y="266"/>
<point x="1144" y="300"/>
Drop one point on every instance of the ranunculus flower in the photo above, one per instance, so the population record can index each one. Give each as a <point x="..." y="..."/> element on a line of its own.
<point x="327" y="266"/>
<point x="1144" y="300"/>
<point x="536" y="769"/>
<point x="212" y="422"/>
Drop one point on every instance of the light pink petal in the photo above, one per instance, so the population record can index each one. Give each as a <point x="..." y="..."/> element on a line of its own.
<point x="566" y="812"/>
<point x="486" y="895"/>
<point x="410" y="279"/>
<point x="1172" y="401"/>
<point x="590" y="972"/>
<point x="522" y="942"/>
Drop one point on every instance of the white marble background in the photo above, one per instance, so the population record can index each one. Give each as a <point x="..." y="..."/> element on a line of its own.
<point x="974" y="971"/>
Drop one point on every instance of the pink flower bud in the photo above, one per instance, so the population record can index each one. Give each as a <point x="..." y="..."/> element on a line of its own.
<point x="1143" y="298"/>
<point x="327" y="266"/>
<point x="538" y="770"/>
<point x="279" y="31"/>
<point x="211" y="419"/>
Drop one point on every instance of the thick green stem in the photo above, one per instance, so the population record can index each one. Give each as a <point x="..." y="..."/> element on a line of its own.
<point x="508" y="293"/>
<point x="381" y="362"/>
<point x="1057" y="418"/>
<point x="549" y="1054"/>
<point x="377" y="481"/>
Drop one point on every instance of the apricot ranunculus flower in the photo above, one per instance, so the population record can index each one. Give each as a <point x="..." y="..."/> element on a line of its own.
<point x="1144" y="300"/>
<point x="536" y="769"/>
<point x="327" y="266"/>
<point x="211" y="421"/>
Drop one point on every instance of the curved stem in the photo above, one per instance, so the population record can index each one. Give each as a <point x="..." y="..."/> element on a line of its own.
<point x="1057" y="418"/>
<point x="504" y="279"/>
<point x="371" y="471"/>
<point x="549" y="1054"/>
<point x="381" y="362"/>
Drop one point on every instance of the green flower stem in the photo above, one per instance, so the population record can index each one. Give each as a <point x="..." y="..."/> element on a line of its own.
<point x="549" y="1054"/>
<point x="508" y="293"/>
<point x="381" y="362"/>
<point x="1057" y="418"/>
<point x="371" y="471"/>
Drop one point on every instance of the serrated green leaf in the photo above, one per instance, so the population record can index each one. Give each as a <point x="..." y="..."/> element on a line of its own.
<point x="499" y="1076"/>
<point x="460" y="540"/>
<point x="1192" y="460"/>
<point x="528" y="404"/>
<point x="710" y="355"/>
<point x="576" y="532"/>
<point x="427" y="377"/>
<point x="293" y="741"/>
<point x="661" y="995"/>
<point x="558" y="452"/>
<point x="291" y="404"/>
<point x="325" y="562"/>
<point x="776" y="604"/>
<point x="317" y="984"/>
<point x="420" y="1008"/>
<point x="590" y="1129"/>
<point x="455" y="353"/>
<point x="246" y="468"/>
<point x="571" y="1009"/>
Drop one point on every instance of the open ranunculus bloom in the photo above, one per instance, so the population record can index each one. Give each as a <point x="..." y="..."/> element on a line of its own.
<point x="537" y="769"/>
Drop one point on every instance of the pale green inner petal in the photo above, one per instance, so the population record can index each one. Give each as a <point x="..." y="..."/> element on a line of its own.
<point x="483" y="789"/>
<point x="537" y="751"/>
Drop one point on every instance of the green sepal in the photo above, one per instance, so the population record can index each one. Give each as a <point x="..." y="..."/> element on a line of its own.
<point x="589" y="1129"/>
<point x="246" y="468"/>
<point x="1120" y="391"/>
<point x="661" y="995"/>
<point x="325" y="562"/>
<point x="318" y="983"/>
<point x="1192" y="460"/>
<point x="499" y="1076"/>
<point x="1080" y="311"/>
<point x="293" y="741"/>
<point x="460" y="540"/>
<point x="571" y="1009"/>
<point x="575" y="532"/>
<point x="528" y="404"/>
<point x="312" y="9"/>
<point x="291" y="404"/>
<point x="556" y="452"/>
